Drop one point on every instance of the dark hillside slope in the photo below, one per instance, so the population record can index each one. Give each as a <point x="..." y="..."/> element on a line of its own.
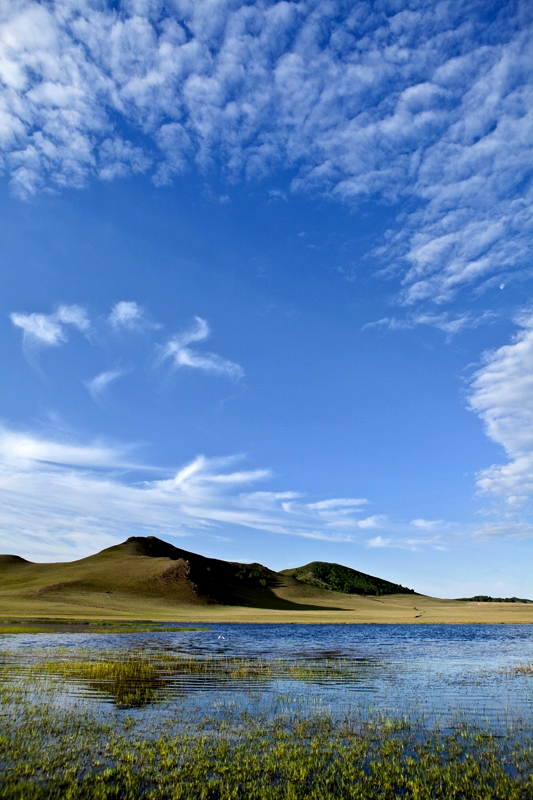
<point x="11" y="561"/>
<point x="337" y="578"/>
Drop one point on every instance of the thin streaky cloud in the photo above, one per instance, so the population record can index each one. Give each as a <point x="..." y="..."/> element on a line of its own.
<point x="97" y="385"/>
<point x="338" y="503"/>
<point x="446" y="322"/>
<point x="54" y="487"/>
<point x="196" y="333"/>
<point x="29" y="448"/>
<point x="375" y="521"/>
<point x="181" y="355"/>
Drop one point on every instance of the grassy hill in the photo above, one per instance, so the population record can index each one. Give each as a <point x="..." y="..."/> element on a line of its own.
<point x="146" y="570"/>
<point x="337" y="578"/>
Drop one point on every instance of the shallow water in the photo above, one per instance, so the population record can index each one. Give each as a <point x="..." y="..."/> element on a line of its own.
<point x="435" y="671"/>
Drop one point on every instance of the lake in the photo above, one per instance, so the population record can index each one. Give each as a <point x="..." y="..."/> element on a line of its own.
<point x="434" y="671"/>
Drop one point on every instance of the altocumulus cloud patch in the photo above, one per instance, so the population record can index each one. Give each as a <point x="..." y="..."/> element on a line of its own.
<point x="430" y="102"/>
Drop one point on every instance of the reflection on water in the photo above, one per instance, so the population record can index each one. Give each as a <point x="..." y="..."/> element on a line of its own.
<point x="391" y="669"/>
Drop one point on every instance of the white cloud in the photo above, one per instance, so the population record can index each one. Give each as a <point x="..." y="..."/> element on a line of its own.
<point x="428" y="524"/>
<point x="178" y="351"/>
<point x="49" y="329"/>
<point x="339" y="503"/>
<point x="63" y="499"/>
<point x="379" y="541"/>
<point x="501" y="530"/>
<point x="128" y="315"/>
<point x="25" y="449"/>
<point x="39" y="328"/>
<point x="502" y="396"/>
<point x="446" y="322"/>
<point x="67" y="498"/>
<point x="375" y="521"/>
<point x="97" y="385"/>
<point x="432" y="103"/>
<point x="405" y="543"/>
<point x="73" y="315"/>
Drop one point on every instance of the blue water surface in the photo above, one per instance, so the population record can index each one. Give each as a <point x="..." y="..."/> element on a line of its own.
<point x="435" y="670"/>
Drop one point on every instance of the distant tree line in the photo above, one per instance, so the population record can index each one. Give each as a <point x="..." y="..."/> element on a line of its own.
<point x="485" y="598"/>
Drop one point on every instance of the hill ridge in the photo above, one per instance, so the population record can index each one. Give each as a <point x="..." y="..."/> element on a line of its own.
<point x="336" y="577"/>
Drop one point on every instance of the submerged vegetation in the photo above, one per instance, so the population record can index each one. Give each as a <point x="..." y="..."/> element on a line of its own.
<point x="25" y="629"/>
<point x="135" y="678"/>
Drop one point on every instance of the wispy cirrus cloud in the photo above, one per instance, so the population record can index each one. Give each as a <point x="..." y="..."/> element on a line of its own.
<point x="49" y="330"/>
<point x="451" y="324"/>
<point x="406" y="543"/>
<point x="179" y="352"/>
<point x="98" y="385"/>
<point x="65" y="499"/>
<point x="27" y="450"/>
<point x="125" y="317"/>
<point x="425" y="102"/>
<point x="54" y="487"/>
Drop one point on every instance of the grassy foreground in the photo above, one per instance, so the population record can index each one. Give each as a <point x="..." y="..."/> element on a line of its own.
<point x="176" y="749"/>
<point x="47" y="754"/>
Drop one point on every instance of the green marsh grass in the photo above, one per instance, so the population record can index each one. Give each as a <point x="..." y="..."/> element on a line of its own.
<point x="11" y="629"/>
<point x="108" y="627"/>
<point x="50" y="749"/>
<point x="48" y="753"/>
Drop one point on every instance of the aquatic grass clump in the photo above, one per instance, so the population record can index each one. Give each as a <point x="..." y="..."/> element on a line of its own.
<point x="137" y="677"/>
<point x="86" y="661"/>
<point x="140" y="627"/>
<point x="77" y="626"/>
<point x="523" y="669"/>
<point x="130" y="679"/>
<point x="11" y="629"/>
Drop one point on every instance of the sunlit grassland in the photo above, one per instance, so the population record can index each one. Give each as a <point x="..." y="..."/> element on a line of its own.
<point x="337" y="608"/>
<point x="176" y="748"/>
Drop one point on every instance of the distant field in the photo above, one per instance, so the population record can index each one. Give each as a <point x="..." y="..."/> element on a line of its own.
<point x="344" y="609"/>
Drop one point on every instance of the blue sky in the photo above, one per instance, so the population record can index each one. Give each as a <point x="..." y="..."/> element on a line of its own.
<point x="266" y="284"/>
